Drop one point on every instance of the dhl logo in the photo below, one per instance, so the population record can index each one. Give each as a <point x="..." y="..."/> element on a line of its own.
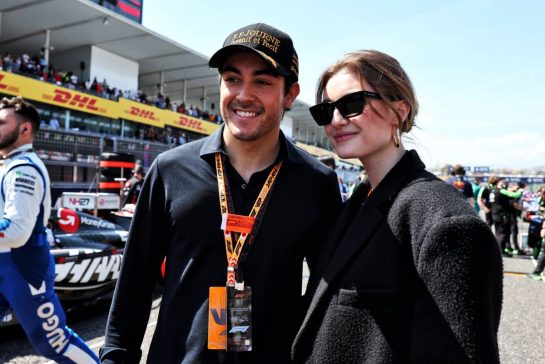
<point x="5" y="86"/>
<point x="190" y="123"/>
<point x="77" y="100"/>
<point x="146" y="114"/>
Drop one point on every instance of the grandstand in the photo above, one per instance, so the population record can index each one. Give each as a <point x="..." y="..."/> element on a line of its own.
<point x="105" y="83"/>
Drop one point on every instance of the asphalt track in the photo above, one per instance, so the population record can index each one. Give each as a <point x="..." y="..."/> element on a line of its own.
<point x="520" y="338"/>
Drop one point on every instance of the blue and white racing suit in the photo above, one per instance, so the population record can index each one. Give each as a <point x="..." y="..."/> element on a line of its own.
<point x="27" y="268"/>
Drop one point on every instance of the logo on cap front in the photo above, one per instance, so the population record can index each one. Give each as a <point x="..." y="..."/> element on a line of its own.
<point x="257" y="37"/>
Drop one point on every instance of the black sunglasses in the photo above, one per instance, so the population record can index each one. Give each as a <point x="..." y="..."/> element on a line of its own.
<point x="349" y="106"/>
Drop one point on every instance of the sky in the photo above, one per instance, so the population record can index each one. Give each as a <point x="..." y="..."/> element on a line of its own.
<point x="478" y="66"/>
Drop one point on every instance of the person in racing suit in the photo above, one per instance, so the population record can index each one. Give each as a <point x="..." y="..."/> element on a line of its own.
<point x="27" y="268"/>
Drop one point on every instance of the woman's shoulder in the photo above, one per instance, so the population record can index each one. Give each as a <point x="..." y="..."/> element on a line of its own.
<point x="429" y="189"/>
<point x="426" y="202"/>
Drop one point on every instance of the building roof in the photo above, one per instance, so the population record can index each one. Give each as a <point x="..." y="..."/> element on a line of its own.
<point x="77" y="23"/>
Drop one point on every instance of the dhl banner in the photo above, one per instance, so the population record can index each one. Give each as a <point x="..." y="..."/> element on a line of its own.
<point x="151" y="115"/>
<point x="29" y="88"/>
<point x="141" y="113"/>
<point x="189" y="123"/>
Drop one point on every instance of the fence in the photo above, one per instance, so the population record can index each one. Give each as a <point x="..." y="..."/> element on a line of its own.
<point x="72" y="157"/>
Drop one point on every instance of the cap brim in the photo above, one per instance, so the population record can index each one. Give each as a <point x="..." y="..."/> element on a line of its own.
<point x="219" y="57"/>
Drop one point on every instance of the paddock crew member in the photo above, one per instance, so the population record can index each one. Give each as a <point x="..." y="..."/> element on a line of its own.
<point x="501" y="209"/>
<point x="27" y="269"/>
<point x="484" y="199"/>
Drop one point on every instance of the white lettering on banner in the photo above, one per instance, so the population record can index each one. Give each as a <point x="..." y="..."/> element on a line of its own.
<point x="55" y="334"/>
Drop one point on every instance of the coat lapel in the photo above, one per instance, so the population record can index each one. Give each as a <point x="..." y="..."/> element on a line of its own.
<point x="360" y="227"/>
<point x="356" y="237"/>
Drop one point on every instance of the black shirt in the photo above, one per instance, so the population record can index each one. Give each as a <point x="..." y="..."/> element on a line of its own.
<point x="178" y="216"/>
<point x="501" y="204"/>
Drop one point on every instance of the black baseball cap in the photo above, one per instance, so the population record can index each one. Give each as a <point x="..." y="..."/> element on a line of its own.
<point x="273" y="45"/>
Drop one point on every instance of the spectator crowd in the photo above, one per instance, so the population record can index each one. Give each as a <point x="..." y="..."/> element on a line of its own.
<point x="37" y="67"/>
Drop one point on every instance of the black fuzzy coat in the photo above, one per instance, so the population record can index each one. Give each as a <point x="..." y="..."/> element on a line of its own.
<point x="413" y="276"/>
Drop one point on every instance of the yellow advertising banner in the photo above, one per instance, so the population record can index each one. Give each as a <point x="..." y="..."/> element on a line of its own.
<point x="48" y="93"/>
<point x="32" y="89"/>
<point x="151" y="115"/>
<point x="8" y="84"/>
<point x="189" y="123"/>
<point x="141" y="113"/>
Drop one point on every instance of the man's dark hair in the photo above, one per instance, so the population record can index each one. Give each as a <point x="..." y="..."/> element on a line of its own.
<point x="23" y="110"/>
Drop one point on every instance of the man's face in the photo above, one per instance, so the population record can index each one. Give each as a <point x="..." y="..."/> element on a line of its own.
<point x="9" y="130"/>
<point x="252" y="99"/>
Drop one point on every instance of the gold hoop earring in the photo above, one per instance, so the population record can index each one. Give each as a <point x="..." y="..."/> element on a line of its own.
<point x="396" y="138"/>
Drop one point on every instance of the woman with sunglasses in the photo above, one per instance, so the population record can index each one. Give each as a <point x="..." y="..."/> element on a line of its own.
<point x="413" y="274"/>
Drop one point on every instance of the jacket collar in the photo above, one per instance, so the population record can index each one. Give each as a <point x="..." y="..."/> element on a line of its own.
<point x="214" y="144"/>
<point x="19" y="150"/>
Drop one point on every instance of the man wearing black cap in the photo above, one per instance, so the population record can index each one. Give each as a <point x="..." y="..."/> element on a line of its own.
<point x="234" y="214"/>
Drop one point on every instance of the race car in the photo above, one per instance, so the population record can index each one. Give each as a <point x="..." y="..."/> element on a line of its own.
<point x="87" y="252"/>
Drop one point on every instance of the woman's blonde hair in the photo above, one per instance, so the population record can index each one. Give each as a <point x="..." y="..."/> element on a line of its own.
<point x="384" y="74"/>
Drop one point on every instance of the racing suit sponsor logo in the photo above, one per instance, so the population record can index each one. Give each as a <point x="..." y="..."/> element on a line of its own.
<point x="25" y="188"/>
<point x="22" y="190"/>
<point x="50" y="324"/>
<point x="26" y="175"/>
<point x="24" y="181"/>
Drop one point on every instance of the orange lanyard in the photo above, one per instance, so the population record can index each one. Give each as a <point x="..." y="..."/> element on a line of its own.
<point x="243" y="225"/>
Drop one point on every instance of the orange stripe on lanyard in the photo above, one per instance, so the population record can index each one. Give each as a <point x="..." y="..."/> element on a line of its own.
<point x="233" y="252"/>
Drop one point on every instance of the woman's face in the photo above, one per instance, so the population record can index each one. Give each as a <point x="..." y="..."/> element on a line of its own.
<point x="363" y="136"/>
